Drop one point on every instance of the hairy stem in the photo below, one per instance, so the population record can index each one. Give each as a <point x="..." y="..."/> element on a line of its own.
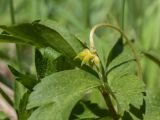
<point x="109" y="103"/>
<point x="106" y="96"/>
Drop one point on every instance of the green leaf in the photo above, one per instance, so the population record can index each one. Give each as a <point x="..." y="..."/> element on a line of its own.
<point x="57" y="41"/>
<point x="127" y="90"/>
<point x="67" y="41"/>
<point x="96" y="97"/>
<point x="29" y="81"/>
<point x="86" y="109"/>
<point x="137" y="113"/>
<point x="116" y="50"/>
<point x="127" y="116"/>
<point x="57" y="94"/>
<point x="40" y="64"/>
<point x="14" y="71"/>
<point x="50" y="53"/>
<point x="122" y="64"/>
<point x="152" y="106"/>
<point x="19" y="90"/>
<point x="22" y="82"/>
<point x="153" y="55"/>
<point x="134" y="113"/>
<point x="123" y="81"/>
<point x="11" y="39"/>
<point x="56" y="61"/>
<point x="27" y="32"/>
<point x="54" y="36"/>
<point x="23" y="113"/>
<point x="82" y="111"/>
<point x="50" y="61"/>
<point x="91" y="106"/>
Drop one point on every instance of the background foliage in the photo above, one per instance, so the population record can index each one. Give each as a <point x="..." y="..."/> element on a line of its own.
<point x="141" y="23"/>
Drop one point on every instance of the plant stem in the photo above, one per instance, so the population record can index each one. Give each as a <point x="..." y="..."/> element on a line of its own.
<point x="140" y="75"/>
<point x="18" y="48"/>
<point x="109" y="103"/>
<point x="123" y="13"/>
<point x="103" y="90"/>
<point x="17" y="87"/>
<point x="106" y="96"/>
<point x="12" y="12"/>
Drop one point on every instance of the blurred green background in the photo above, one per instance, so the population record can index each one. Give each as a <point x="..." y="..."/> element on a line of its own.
<point x="141" y="23"/>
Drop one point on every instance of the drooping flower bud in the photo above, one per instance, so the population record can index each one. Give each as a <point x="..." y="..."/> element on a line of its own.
<point x="83" y="54"/>
<point x="88" y="57"/>
<point x="96" y="60"/>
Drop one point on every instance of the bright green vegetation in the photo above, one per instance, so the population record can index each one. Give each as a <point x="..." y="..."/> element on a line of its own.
<point x="55" y="86"/>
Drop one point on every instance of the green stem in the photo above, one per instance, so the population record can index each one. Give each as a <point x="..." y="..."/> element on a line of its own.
<point x="18" y="52"/>
<point x="18" y="88"/>
<point x="123" y="13"/>
<point x="109" y="103"/>
<point x="105" y="93"/>
<point x="103" y="90"/>
<point x="12" y="12"/>
<point x="18" y="48"/>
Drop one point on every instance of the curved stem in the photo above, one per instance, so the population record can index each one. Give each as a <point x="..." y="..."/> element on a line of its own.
<point x="140" y="75"/>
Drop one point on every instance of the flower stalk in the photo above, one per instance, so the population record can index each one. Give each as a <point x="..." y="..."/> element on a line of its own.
<point x="92" y="47"/>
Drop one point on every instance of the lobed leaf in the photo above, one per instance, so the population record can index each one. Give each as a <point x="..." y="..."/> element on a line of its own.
<point x="124" y="83"/>
<point x="152" y="106"/>
<point x="57" y="94"/>
<point x="28" y="81"/>
<point x="128" y="90"/>
<point x="122" y="64"/>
